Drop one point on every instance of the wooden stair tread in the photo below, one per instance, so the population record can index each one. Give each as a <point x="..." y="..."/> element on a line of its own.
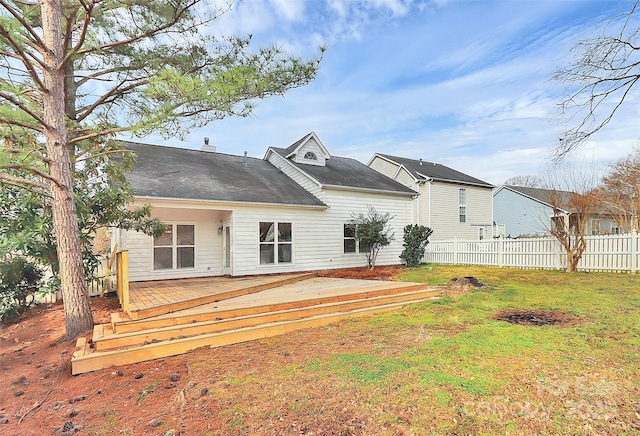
<point x="91" y="361"/>
<point x="112" y="340"/>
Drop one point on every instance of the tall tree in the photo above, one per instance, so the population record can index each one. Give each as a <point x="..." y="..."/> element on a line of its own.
<point x="76" y="72"/>
<point x="619" y="193"/>
<point x="528" y="181"/>
<point x="603" y="74"/>
<point x="571" y="208"/>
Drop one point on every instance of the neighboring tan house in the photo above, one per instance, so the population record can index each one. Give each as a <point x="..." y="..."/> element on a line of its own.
<point x="453" y="204"/>
<point x="521" y="211"/>
<point x="235" y="215"/>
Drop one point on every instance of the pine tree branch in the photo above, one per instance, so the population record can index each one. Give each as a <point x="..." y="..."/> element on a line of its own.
<point x="22" y="183"/>
<point x="17" y="123"/>
<point x="27" y="58"/>
<point x="11" y="99"/>
<point x="33" y="171"/>
<point x="96" y="135"/>
<point x="177" y="16"/>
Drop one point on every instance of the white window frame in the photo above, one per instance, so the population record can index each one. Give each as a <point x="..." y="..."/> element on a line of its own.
<point x="276" y="243"/>
<point x="462" y="205"/>
<point x="174" y="248"/>
<point x="356" y="242"/>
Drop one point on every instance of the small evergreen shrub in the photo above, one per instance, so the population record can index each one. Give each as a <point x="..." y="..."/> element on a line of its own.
<point x="416" y="238"/>
<point x="19" y="281"/>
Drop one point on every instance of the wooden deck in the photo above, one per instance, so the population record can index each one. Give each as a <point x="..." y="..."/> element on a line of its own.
<point x="187" y="314"/>
<point x="154" y="298"/>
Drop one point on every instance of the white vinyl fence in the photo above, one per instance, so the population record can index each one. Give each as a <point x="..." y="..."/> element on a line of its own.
<point x="619" y="253"/>
<point x="103" y="283"/>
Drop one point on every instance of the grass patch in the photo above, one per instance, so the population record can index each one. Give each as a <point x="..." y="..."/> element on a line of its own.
<point x="451" y="358"/>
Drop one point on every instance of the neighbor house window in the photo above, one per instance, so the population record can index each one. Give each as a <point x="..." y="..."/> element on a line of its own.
<point x="462" y="205"/>
<point x="351" y="244"/>
<point x="175" y="248"/>
<point x="275" y="242"/>
<point x="480" y="233"/>
<point x="595" y="227"/>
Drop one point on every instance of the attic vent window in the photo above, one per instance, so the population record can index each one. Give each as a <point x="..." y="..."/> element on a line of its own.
<point x="310" y="155"/>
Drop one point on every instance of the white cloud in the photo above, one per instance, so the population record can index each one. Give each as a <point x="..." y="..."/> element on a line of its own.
<point x="289" y="10"/>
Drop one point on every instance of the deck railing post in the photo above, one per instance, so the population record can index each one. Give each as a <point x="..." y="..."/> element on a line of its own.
<point x="122" y="265"/>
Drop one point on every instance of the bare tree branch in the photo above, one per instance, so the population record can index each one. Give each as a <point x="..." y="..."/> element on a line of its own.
<point x="606" y="69"/>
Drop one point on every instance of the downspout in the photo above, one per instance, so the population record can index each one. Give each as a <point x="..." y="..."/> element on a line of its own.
<point x="429" y="200"/>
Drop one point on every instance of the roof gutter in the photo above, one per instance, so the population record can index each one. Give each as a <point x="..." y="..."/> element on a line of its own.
<point x="373" y="191"/>
<point x="141" y="199"/>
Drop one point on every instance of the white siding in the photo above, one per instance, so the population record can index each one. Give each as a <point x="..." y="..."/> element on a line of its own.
<point x="208" y="246"/>
<point x="294" y="173"/>
<point x="317" y="235"/>
<point x="444" y="219"/>
<point x="312" y="146"/>
<point x="384" y="166"/>
<point x="405" y="178"/>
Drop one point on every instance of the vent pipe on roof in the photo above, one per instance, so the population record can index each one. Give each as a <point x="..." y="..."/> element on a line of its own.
<point x="244" y="161"/>
<point x="206" y="146"/>
<point x="420" y="161"/>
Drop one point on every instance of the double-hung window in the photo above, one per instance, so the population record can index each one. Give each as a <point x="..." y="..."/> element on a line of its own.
<point x="175" y="248"/>
<point x="462" y="205"/>
<point x="351" y="244"/>
<point x="275" y="242"/>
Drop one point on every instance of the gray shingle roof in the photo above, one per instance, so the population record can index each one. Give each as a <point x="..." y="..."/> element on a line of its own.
<point x="423" y="170"/>
<point x="348" y="173"/>
<point x="168" y="172"/>
<point x="546" y="196"/>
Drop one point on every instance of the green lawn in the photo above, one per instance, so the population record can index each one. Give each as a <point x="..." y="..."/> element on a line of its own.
<point x="448" y="367"/>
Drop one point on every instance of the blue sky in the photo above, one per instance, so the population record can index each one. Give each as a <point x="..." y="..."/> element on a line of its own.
<point x="462" y="83"/>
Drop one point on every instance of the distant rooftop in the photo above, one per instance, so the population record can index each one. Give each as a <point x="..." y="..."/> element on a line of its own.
<point x="423" y="170"/>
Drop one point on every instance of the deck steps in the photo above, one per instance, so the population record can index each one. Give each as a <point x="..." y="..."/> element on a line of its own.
<point x="105" y="339"/>
<point x="88" y="359"/>
<point x="315" y="303"/>
<point x="216" y="313"/>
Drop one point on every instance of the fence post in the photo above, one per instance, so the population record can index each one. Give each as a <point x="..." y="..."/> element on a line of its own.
<point x="123" y="279"/>
<point x="501" y="251"/>
<point x="634" y="251"/>
<point x="455" y="251"/>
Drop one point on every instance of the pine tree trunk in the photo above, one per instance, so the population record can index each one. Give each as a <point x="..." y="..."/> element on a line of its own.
<point x="65" y="220"/>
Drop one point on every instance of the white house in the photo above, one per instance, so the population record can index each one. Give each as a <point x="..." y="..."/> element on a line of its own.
<point x="453" y="204"/>
<point x="237" y="215"/>
<point x="523" y="211"/>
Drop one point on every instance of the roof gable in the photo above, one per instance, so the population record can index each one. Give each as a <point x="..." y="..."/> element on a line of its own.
<point x="422" y="170"/>
<point x="308" y="150"/>
<point x="342" y="172"/>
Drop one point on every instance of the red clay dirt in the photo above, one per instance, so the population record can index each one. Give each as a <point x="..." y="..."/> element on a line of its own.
<point x="39" y="396"/>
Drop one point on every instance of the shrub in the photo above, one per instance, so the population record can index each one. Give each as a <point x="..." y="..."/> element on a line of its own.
<point x="372" y="233"/>
<point x="416" y="238"/>
<point x="19" y="281"/>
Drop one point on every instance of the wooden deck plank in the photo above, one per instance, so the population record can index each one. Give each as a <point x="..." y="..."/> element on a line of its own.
<point x="171" y="297"/>
<point x="274" y="300"/>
